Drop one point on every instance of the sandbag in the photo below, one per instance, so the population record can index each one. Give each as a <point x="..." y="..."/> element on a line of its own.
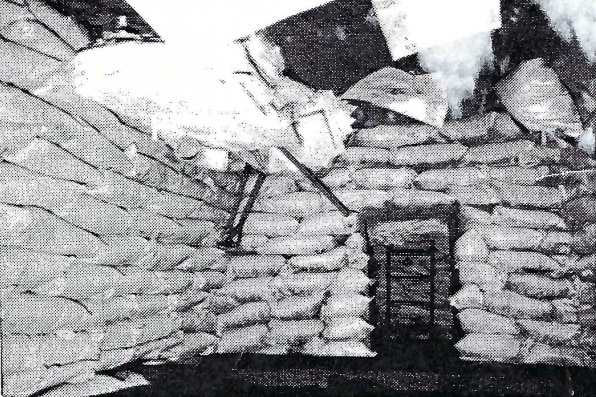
<point x="110" y="359"/>
<point x="497" y="152"/>
<point x="348" y="305"/>
<point x="294" y="332"/>
<point x="406" y="232"/>
<point x="581" y="210"/>
<point x="518" y="261"/>
<point x="242" y="340"/>
<point x="510" y="304"/>
<point x="566" y="311"/>
<point x="296" y="204"/>
<point x="135" y="280"/>
<point x="541" y="353"/>
<point x="585" y="292"/>
<point x="297" y="245"/>
<point x="318" y="347"/>
<point x="482" y="194"/>
<point x="487" y="347"/>
<point x="390" y="136"/>
<point x="470" y="216"/>
<point x="433" y="154"/>
<point x="199" y="320"/>
<point x="276" y="185"/>
<point x="329" y="223"/>
<point x="358" y="200"/>
<point x="23" y="67"/>
<point x="270" y="225"/>
<point x="28" y="269"/>
<point x="192" y="232"/>
<point x="471" y="247"/>
<point x="33" y="34"/>
<point x="506" y="238"/>
<point x="490" y="127"/>
<point x="350" y="280"/>
<point x="539" y="155"/>
<point x="196" y="343"/>
<point x="356" y="242"/>
<point x="329" y="261"/>
<point x="136" y="332"/>
<point x="303" y="283"/>
<point x="540" y="287"/>
<point x="383" y="178"/>
<point x="365" y="156"/>
<point x="517" y="175"/>
<point x="99" y="385"/>
<point x="83" y="281"/>
<point x="35" y="229"/>
<point x="250" y="242"/>
<point x="248" y="314"/>
<point x="551" y="333"/>
<point x="64" y="26"/>
<point x="443" y="179"/>
<point x="301" y="307"/>
<point x="411" y="198"/>
<point x="556" y="242"/>
<point x="529" y="196"/>
<point x="249" y="289"/>
<point x="584" y="240"/>
<point x="481" y="274"/>
<point x="204" y="259"/>
<point x="347" y="328"/>
<point x="11" y="12"/>
<point x="476" y="321"/>
<point x="253" y="266"/>
<point x="218" y="304"/>
<point x="469" y="297"/>
<point x="526" y="218"/>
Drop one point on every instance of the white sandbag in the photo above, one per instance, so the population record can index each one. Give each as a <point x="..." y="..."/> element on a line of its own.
<point x="541" y="353"/>
<point x="406" y="232"/>
<point x="192" y="232"/>
<point x="481" y="274"/>
<point x="99" y="385"/>
<point x="350" y="280"/>
<point x="540" y="287"/>
<point x="517" y="175"/>
<point x="490" y="127"/>
<point x="33" y="34"/>
<point x="391" y="136"/>
<point x="303" y="283"/>
<point x="434" y="154"/>
<point x="356" y="242"/>
<point x="110" y="359"/>
<point x="529" y="196"/>
<point x="28" y="269"/>
<point x="296" y="204"/>
<point x="83" y="281"/>
<point x="199" y="320"/>
<point x="318" y="347"/>
<point x="253" y="266"/>
<point x="527" y="218"/>
<point x="482" y="194"/>
<point x="487" y="347"/>
<point x="566" y="311"/>
<point x="347" y="328"/>
<point x="417" y="198"/>
<point x="497" y="152"/>
<point x="11" y="12"/>
<point x="116" y="189"/>
<point x="348" y="305"/>
<point x="539" y="155"/>
<point x="150" y="225"/>
<point x="196" y="343"/>
<point x="293" y="332"/>
<point x="471" y="247"/>
<point x="297" y="245"/>
<point x="135" y="280"/>
<point x="552" y="333"/>
<point x="270" y="225"/>
<point x="248" y="314"/>
<point x="365" y="156"/>
<point x="165" y="257"/>
<point x="510" y="304"/>
<point x="276" y="185"/>
<point x="518" y="261"/>
<point x="330" y="223"/>
<point x="383" y="178"/>
<point x="117" y="308"/>
<point x="358" y="200"/>
<point x="64" y="26"/>
<point x="301" y="307"/>
<point x="23" y="67"/>
<point x="249" y="289"/>
<point x="242" y="340"/>
<point x="35" y="229"/>
<point x="507" y="238"/>
<point x="204" y="259"/>
<point x="476" y="321"/>
<point x="585" y="292"/>
<point x="136" y="332"/>
<point x="218" y="304"/>
<point x="250" y="242"/>
<point x="160" y="349"/>
<point x="443" y="179"/>
<point x="470" y="216"/>
<point x="336" y="178"/>
<point x="327" y="262"/>
<point x="469" y="297"/>
<point x="182" y="207"/>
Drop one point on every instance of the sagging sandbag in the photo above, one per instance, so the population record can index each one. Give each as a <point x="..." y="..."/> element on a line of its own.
<point x="248" y="314"/>
<point x="250" y="242"/>
<point x="519" y="261"/>
<point x="476" y="321"/>
<point x="383" y="178"/>
<point x="471" y="247"/>
<point x="470" y="216"/>
<point x="28" y="269"/>
<point x="330" y="223"/>
<point x="196" y="343"/>
<point x="510" y="304"/>
<point x="346" y="305"/>
<point x="497" y="152"/>
<point x="32" y="314"/>
<point x="517" y="175"/>
<point x="350" y="280"/>
<point x="117" y="309"/>
<point x="469" y="297"/>
<point x="208" y="280"/>
<point x="302" y="307"/>
<point x="584" y="240"/>
<point x="482" y="194"/>
<point x="293" y="333"/>
<point x="388" y="136"/>
<point x="276" y="185"/>
<point x="318" y="347"/>
<point x="540" y="287"/>
<point x="490" y="347"/>
<point x="552" y="333"/>
<point x="327" y="262"/>
<point x="297" y="245"/>
<point x="506" y="238"/>
<point x="242" y="340"/>
<point x="581" y="210"/>
<point x="365" y="156"/>
<point x="419" y="199"/>
<point x="150" y="225"/>
<point x="356" y="242"/>
<point x="481" y="274"/>
<point x="303" y="283"/>
<point x="249" y="289"/>
<point x="358" y="200"/>
<point x="139" y="331"/>
<point x="529" y="196"/>
<point x="253" y="266"/>
<point x="407" y="232"/>
<point x="347" y="328"/>
<point x="443" y="179"/>
<point x="217" y="304"/>
<point x="270" y="225"/>
<point x="527" y="218"/>
<point x="192" y="232"/>
<point x="541" y="353"/>
<point x="83" y="282"/>
<point x="33" y="34"/>
<point x="64" y="26"/>
<point x="489" y="127"/>
<point x="204" y="259"/>
<point x="38" y="230"/>
<point x="199" y="321"/>
<point x="99" y="385"/>
<point x="298" y="204"/>
<point x="433" y="154"/>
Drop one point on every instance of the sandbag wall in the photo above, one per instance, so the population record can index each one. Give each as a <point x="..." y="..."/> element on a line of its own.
<point x="107" y="237"/>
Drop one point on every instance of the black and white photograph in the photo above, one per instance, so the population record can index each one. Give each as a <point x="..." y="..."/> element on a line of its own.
<point x="315" y="198"/>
